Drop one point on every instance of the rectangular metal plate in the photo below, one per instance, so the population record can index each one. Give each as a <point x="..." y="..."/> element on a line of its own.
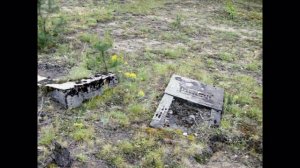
<point x="196" y="92"/>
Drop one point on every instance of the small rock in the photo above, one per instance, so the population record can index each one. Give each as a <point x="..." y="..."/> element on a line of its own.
<point x="62" y="156"/>
<point x="192" y="117"/>
<point x="185" y="134"/>
<point x="195" y="134"/>
<point x="41" y="148"/>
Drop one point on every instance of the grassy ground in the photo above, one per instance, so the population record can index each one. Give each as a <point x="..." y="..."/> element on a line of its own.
<point x="216" y="42"/>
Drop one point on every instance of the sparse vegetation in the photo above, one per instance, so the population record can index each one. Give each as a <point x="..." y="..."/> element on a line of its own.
<point x="117" y="118"/>
<point x="252" y="66"/>
<point x="227" y="56"/>
<point x="79" y="72"/>
<point x="81" y="157"/>
<point x="141" y="7"/>
<point x="82" y="133"/>
<point x="47" y="135"/>
<point x="49" y="27"/>
<point x="145" y="42"/>
<point x="230" y="9"/>
<point x="102" y="46"/>
<point x="173" y="53"/>
<point x="177" y="23"/>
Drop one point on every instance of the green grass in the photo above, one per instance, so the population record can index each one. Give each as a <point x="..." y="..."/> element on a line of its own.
<point x="78" y="72"/>
<point x="100" y="15"/>
<point x="225" y="124"/>
<point x="254" y="66"/>
<point x="230" y="9"/>
<point x="153" y="159"/>
<point x="136" y="112"/>
<point x="176" y="24"/>
<point x="144" y="29"/>
<point x="174" y="53"/>
<point x="108" y="152"/>
<point x="140" y="7"/>
<point x="144" y="74"/>
<point x="174" y="36"/>
<point x="227" y="57"/>
<point x="47" y="135"/>
<point x="88" y="37"/>
<point x="119" y="162"/>
<point x="117" y="118"/>
<point x="82" y="133"/>
<point x="210" y="63"/>
<point x="163" y="69"/>
<point x="111" y="154"/>
<point x="255" y="113"/>
<point x="82" y="157"/>
<point x="126" y="147"/>
<point x="115" y="125"/>
<point x="228" y="36"/>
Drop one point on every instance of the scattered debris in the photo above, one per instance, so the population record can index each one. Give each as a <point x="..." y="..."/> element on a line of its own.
<point x="62" y="156"/>
<point x="188" y="104"/>
<point x="42" y="80"/>
<point x="72" y="94"/>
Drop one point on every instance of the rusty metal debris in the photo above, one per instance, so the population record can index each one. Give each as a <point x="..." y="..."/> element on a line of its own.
<point x="188" y="103"/>
<point x="72" y="94"/>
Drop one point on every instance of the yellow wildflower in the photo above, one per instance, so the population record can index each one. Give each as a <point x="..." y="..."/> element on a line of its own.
<point x="141" y="93"/>
<point x="127" y="74"/>
<point x="133" y="75"/>
<point x="114" y="58"/>
<point x="130" y="75"/>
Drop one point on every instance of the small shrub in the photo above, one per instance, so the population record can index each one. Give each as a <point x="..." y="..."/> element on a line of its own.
<point x="230" y="9"/>
<point x="177" y="23"/>
<point x="81" y="157"/>
<point x="153" y="159"/>
<point x="117" y="118"/>
<point x="81" y="133"/>
<point x="227" y="56"/>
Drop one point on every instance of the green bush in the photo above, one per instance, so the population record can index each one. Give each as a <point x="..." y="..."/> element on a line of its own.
<point x="230" y="9"/>
<point x="49" y="28"/>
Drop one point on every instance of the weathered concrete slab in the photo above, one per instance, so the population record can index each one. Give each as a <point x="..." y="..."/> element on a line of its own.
<point x="196" y="92"/>
<point x="72" y="94"/>
<point x="158" y="119"/>
<point x="41" y="78"/>
<point x="187" y="104"/>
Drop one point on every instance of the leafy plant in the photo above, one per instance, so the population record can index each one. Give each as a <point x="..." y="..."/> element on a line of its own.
<point x="102" y="46"/>
<point x="48" y="28"/>
<point x="230" y="9"/>
<point x="177" y="23"/>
